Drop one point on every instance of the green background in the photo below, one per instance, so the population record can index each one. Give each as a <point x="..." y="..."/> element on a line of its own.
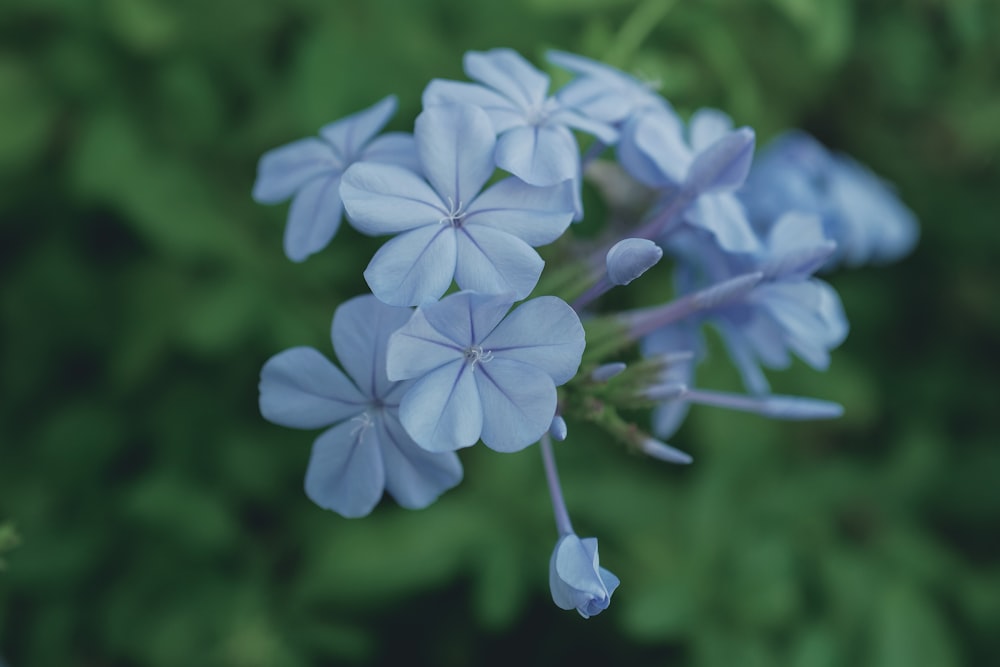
<point x="149" y="516"/>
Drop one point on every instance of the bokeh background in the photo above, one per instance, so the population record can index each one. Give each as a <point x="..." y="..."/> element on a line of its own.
<point x="149" y="516"/>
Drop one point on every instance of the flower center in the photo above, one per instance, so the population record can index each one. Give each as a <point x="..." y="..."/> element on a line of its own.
<point x="362" y="423"/>
<point x="475" y="354"/>
<point x="539" y="113"/>
<point x="454" y="215"/>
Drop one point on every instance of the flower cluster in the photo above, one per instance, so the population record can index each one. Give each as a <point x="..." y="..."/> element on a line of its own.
<point x="441" y="355"/>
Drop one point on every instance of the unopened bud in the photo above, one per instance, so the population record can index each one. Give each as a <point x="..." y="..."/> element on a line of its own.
<point x="630" y="258"/>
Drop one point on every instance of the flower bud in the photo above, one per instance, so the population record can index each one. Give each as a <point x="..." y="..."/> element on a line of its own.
<point x="630" y="258"/>
<point x="577" y="580"/>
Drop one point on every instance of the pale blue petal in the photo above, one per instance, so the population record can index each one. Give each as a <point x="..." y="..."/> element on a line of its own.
<point x="545" y="155"/>
<point x="301" y="388"/>
<point x="544" y="332"/>
<point x="722" y="214"/>
<point x="282" y="171"/>
<point x="442" y="410"/>
<point x="722" y="166"/>
<point x="385" y="199"/>
<point x="507" y="72"/>
<point x="361" y="330"/>
<point x="503" y="113"/>
<point x="417" y="347"/>
<point x="570" y="118"/>
<point x="706" y="127"/>
<point x="519" y="402"/>
<point x="414" y="476"/>
<point x="455" y="143"/>
<point x="349" y="135"/>
<point x="652" y="149"/>
<point x="742" y="355"/>
<point x="593" y="97"/>
<point x="313" y="218"/>
<point x="345" y="472"/>
<point x="413" y="267"/>
<point x="536" y="215"/>
<point x="796" y="246"/>
<point x="668" y="417"/>
<point x="495" y="262"/>
<point x="398" y="148"/>
<point x="467" y="317"/>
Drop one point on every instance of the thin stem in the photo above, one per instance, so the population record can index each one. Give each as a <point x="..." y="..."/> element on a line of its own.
<point x="563" y="524"/>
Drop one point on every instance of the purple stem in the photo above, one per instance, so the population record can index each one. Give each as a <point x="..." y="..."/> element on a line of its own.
<point x="563" y="524"/>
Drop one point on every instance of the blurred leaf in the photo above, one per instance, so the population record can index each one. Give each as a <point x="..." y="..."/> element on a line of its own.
<point x="909" y="631"/>
<point x="27" y="114"/>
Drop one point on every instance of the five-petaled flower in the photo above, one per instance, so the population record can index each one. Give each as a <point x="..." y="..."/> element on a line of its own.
<point x="309" y="171"/>
<point x="451" y="230"/>
<point x="479" y="374"/>
<point x="367" y="450"/>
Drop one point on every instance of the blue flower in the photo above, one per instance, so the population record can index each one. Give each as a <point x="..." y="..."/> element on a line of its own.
<point x="788" y="311"/>
<point x="859" y="211"/>
<point x="604" y="93"/>
<point x="576" y="578"/>
<point x="481" y="375"/>
<point x="366" y="451"/>
<point x="704" y="164"/>
<point x="309" y="171"/>
<point x="451" y="230"/>
<point x="535" y="141"/>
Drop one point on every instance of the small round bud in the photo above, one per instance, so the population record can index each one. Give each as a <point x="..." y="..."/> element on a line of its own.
<point x="630" y="258"/>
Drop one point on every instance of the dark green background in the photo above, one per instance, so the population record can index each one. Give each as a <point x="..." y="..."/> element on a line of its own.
<point x="161" y="521"/>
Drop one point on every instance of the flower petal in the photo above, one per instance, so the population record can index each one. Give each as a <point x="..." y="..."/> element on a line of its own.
<point x="313" y="218"/>
<point x="545" y="333"/>
<point x="502" y="112"/>
<point x="417" y="347"/>
<point x="360" y="332"/>
<point x="284" y="170"/>
<point x="539" y="155"/>
<point x="507" y="72"/>
<point x="345" y="472"/>
<point x="301" y="388"/>
<point x="518" y="402"/>
<point x="495" y="262"/>
<point x="414" y="267"/>
<point x="385" y="199"/>
<point x="414" y="476"/>
<point x="350" y="134"/>
<point x="706" y="127"/>
<point x="536" y="215"/>
<point x="442" y="411"/>
<point x="455" y="143"/>
<point x="397" y="148"/>
<point x="652" y="149"/>
<point x="722" y="214"/>
<point x="467" y="317"/>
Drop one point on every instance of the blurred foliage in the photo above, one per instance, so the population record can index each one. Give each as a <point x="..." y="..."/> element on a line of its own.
<point x="162" y="522"/>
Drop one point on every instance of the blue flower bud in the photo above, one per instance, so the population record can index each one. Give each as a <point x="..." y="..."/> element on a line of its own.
<point x="605" y="372"/>
<point x="630" y="258"/>
<point x="577" y="580"/>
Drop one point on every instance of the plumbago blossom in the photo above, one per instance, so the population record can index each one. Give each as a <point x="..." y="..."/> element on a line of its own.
<point x="471" y="335"/>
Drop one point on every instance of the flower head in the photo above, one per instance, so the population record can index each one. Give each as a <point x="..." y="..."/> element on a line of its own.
<point x="859" y="211"/>
<point x="309" y="171"/>
<point x="366" y="449"/>
<point x="535" y="142"/>
<point x="451" y="230"/>
<point x="480" y="374"/>
<point x="576" y="578"/>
